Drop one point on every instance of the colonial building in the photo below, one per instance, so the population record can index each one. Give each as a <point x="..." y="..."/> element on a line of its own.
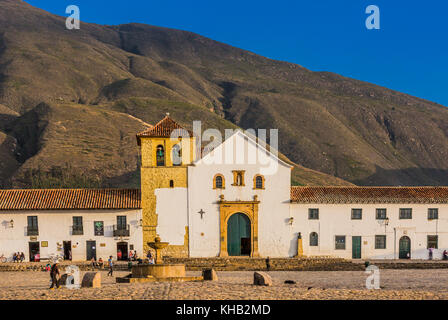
<point x="235" y="199"/>
<point x="71" y="223"/>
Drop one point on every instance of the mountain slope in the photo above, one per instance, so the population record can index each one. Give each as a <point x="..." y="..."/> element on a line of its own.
<point x="357" y="131"/>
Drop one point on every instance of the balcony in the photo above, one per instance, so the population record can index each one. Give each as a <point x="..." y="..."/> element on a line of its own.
<point x="32" y="231"/>
<point x="121" y="230"/>
<point x="77" y="230"/>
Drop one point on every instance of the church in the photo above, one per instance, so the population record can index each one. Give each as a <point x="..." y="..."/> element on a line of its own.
<point x="226" y="201"/>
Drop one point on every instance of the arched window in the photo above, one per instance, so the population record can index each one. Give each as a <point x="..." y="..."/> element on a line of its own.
<point x="258" y="182"/>
<point x="160" y="156"/>
<point x="177" y="155"/>
<point x="218" y="181"/>
<point x="314" y="239"/>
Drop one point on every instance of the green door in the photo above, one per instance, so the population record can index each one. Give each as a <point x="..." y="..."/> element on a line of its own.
<point x="356" y="247"/>
<point x="404" y="248"/>
<point x="238" y="235"/>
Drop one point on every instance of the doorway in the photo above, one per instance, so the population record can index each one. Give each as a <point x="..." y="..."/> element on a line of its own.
<point x="91" y="250"/>
<point x="122" y="251"/>
<point x="67" y="250"/>
<point x="356" y="247"/>
<point x="34" y="250"/>
<point x="404" y="251"/>
<point x="238" y="235"/>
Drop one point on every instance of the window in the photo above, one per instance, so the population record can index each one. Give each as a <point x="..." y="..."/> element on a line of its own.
<point x="121" y="222"/>
<point x="433" y="214"/>
<point x="313" y="214"/>
<point x="356" y="214"/>
<point x="218" y="181"/>
<point x="98" y="227"/>
<point x="160" y="156"/>
<point x="406" y="213"/>
<point x="258" y="182"/>
<point x="340" y="242"/>
<point x="177" y="155"/>
<point x="77" y="226"/>
<point x="380" y="242"/>
<point x="433" y="242"/>
<point x="32" y="228"/>
<point x="314" y="239"/>
<point x="121" y="229"/>
<point x="381" y="214"/>
<point x="238" y="178"/>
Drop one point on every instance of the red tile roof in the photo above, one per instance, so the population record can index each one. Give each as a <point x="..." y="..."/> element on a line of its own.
<point x="369" y="194"/>
<point x="163" y="129"/>
<point x="57" y="199"/>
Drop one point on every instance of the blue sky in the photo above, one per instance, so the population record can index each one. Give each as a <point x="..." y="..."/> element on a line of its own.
<point x="409" y="53"/>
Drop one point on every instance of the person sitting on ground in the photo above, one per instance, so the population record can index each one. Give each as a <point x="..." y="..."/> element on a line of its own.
<point x="93" y="263"/>
<point x="445" y="255"/>
<point x="14" y="257"/>
<point x="100" y="263"/>
<point x="22" y="257"/>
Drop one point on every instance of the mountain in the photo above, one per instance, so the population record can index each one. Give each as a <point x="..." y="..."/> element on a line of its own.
<point x="71" y="102"/>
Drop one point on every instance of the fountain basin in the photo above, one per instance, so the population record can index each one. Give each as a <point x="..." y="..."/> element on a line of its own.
<point x="159" y="270"/>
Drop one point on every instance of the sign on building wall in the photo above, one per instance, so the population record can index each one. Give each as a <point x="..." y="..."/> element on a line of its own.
<point x="44" y="244"/>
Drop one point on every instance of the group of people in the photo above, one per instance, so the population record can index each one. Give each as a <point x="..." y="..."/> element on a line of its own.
<point x="97" y="264"/>
<point x="431" y="254"/>
<point x="133" y="255"/>
<point x="18" y="257"/>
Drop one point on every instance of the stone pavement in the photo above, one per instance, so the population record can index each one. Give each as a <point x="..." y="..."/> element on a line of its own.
<point x="396" y="284"/>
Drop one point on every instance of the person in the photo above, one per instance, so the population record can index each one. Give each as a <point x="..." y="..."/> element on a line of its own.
<point x="135" y="256"/>
<point x="268" y="264"/>
<point x="119" y="255"/>
<point x="111" y="266"/>
<point x="54" y="273"/>
<point x="150" y="258"/>
<point x="131" y="255"/>
<point x="93" y="263"/>
<point x="22" y="257"/>
<point x="14" y="257"/>
<point x="48" y="267"/>
<point x="445" y="255"/>
<point x="100" y="263"/>
<point x="430" y="253"/>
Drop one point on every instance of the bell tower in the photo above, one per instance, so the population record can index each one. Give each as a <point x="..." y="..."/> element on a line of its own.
<point x="167" y="150"/>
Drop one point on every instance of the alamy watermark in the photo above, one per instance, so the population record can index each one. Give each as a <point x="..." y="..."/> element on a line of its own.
<point x="73" y="21"/>
<point x="373" y="20"/>
<point x="373" y="280"/>
<point x="213" y="148"/>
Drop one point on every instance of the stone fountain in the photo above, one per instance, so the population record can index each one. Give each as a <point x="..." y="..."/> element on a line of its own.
<point x="159" y="271"/>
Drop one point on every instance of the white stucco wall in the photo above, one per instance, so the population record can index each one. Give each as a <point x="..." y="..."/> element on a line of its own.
<point x="335" y="219"/>
<point x="171" y="208"/>
<point x="55" y="227"/>
<point x="274" y="232"/>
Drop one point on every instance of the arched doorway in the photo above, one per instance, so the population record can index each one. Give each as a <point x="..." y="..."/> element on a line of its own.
<point x="404" y="248"/>
<point x="238" y="235"/>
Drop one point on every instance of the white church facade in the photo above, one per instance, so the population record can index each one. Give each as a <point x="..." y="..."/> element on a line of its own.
<point x="205" y="206"/>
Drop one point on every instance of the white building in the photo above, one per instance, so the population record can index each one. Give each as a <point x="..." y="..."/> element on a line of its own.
<point x="71" y="223"/>
<point x="235" y="200"/>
